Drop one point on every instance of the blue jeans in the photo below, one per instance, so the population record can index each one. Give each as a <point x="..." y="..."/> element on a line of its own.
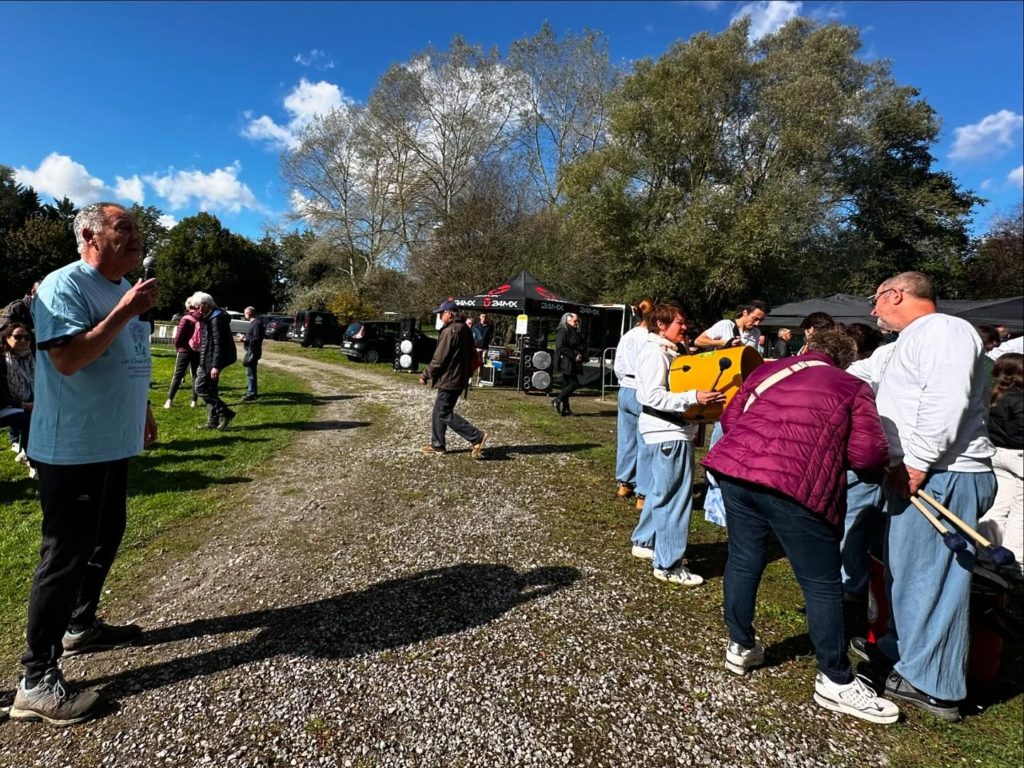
<point x="811" y="545"/>
<point x="251" y="379"/>
<point x="929" y="586"/>
<point x="864" y="532"/>
<point x="669" y="502"/>
<point x="626" y="437"/>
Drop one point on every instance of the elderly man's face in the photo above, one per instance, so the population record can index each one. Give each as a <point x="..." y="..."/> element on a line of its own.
<point x="119" y="243"/>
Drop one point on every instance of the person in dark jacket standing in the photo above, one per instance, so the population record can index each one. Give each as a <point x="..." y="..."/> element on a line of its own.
<point x="1003" y="523"/>
<point x="253" y="343"/>
<point x="569" y="351"/>
<point x="449" y="371"/>
<point x="789" y="434"/>
<point x="216" y="353"/>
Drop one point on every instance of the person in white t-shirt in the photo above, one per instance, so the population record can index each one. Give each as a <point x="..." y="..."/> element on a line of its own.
<point x="733" y="333"/>
<point x="932" y="395"/>
<point x="629" y="467"/>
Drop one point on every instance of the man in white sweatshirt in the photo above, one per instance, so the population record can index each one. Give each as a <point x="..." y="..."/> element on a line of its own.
<point x="931" y="393"/>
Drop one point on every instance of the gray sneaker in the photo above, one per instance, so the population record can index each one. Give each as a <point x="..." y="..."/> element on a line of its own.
<point x="54" y="701"/>
<point x="100" y="637"/>
<point x="740" y="660"/>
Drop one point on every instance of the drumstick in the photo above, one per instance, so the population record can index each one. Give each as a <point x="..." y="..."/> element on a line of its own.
<point x="951" y="539"/>
<point x="999" y="555"/>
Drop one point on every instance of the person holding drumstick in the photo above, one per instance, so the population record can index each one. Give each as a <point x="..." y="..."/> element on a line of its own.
<point x="669" y="493"/>
<point x="734" y="333"/>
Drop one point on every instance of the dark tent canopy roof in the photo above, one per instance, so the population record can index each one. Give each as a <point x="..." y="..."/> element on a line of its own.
<point x="523" y="293"/>
<point x="845" y="308"/>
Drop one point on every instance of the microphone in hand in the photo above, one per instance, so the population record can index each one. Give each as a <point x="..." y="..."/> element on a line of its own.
<point x="148" y="273"/>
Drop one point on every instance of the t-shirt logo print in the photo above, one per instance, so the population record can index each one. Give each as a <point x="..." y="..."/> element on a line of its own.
<point x="140" y="338"/>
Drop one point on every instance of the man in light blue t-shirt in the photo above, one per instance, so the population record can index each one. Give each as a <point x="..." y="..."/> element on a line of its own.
<point x="90" y="416"/>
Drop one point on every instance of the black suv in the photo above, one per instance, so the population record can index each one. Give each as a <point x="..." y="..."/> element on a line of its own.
<point x="276" y="326"/>
<point x="374" y="341"/>
<point x="312" y="328"/>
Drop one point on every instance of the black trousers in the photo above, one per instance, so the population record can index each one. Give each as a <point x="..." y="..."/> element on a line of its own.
<point x="84" y="513"/>
<point x="570" y="383"/>
<point x="185" y="361"/>
<point x="209" y="390"/>
<point x="444" y="416"/>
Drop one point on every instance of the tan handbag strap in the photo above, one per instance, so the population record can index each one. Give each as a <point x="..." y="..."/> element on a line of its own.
<point x="778" y="376"/>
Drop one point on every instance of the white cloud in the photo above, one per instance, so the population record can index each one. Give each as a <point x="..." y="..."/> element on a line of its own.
<point x="1016" y="177"/>
<point x="766" y="16"/>
<point x="218" y="190"/>
<point x="130" y="189"/>
<point x="305" y="102"/>
<point x="992" y="136"/>
<point x="59" y="176"/>
<point x="166" y="220"/>
<point x="315" y="58"/>
<point x="986" y="185"/>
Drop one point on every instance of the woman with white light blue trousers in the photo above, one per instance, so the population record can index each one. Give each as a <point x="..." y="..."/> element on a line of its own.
<point x="630" y="471"/>
<point x="669" y="501"/>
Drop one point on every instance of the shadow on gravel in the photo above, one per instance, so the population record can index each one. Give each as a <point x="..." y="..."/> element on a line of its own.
<point x="294" y="398"/>
<point x="301" y="426"/>
<point x="392" y="614"/>
<point x="506" y="452"/>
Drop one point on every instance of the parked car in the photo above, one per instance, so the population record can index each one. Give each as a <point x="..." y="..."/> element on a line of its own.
<point x="238" y="322"/>
<point x="373" y="341"/>
<point x="276" y="326"/>
<point x="312" y="328"/>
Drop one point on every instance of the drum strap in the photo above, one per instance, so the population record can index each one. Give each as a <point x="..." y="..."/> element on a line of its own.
<point x="670" y="416"/>
<point x="778" y="376"/>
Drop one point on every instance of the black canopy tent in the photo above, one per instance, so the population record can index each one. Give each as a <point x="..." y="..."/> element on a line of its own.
<point x="523" y="294"/>
<point x="846" y="308"/>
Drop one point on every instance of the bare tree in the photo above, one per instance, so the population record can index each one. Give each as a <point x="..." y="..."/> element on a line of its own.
<point x="566" y="85"/>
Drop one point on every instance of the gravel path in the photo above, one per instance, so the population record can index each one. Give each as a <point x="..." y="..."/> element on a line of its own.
<point x="440" y="616"/>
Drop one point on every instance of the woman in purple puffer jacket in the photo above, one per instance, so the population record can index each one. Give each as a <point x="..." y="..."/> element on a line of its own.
<point x="186" y="344"/>
<point x="790" y="433"/>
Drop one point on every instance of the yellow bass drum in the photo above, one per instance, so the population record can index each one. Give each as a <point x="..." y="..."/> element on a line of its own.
<point x="720" y="369"/>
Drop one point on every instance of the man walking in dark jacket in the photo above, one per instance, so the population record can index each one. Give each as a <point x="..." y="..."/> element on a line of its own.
<point x="253" y="343"/>
<point x="216" y="353"/>
<point x="449" y="370"/>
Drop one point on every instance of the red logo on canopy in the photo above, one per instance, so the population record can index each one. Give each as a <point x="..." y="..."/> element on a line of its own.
<point x="487" y="301"/>
<point x="545" y="293"/>
<point x="499" y="290"/>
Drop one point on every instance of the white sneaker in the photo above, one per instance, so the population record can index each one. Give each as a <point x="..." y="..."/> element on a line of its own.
<point x="644" y="553"/>
<point x="192" y="404"/>
<point x="855" y="698"/>
<point x="21" y="458"/>
<point x="32" y="473"/>
<point x="167" y="404"/>
<point x="740" y="660"/>
<point x="678" y="575"/>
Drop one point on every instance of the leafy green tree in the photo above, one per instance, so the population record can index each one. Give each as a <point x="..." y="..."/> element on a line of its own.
<point x="154" y="233"/>
<point x="35" y="249"/>
<point x="202" y="255"/>
<point x="995" y="269"/>
<point x="736" y="170"/>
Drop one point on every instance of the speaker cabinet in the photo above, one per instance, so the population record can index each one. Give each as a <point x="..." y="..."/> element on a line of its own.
<point x="405" y="348"/>
<point x="536" y="370"/>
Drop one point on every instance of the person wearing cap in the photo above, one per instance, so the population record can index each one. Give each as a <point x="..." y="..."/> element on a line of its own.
<point x="449" y="372"/>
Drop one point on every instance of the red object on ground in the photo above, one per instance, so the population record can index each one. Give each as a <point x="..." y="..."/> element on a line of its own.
<point x="986" y="650"/>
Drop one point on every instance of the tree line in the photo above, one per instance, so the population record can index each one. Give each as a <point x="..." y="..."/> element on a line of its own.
<point x="724" y="170"/>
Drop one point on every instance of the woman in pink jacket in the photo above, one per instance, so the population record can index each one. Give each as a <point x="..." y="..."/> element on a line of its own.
<point x="791" y="432"/>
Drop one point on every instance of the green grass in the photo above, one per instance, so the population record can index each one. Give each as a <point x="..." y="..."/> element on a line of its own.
<point x="190" y="473"/>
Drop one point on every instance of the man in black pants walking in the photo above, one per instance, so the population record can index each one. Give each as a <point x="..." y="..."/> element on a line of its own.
<point x="449" y="370"/>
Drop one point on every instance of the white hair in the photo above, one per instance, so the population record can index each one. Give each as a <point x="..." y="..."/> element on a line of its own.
<point x="199" y="299"/>
<point x="92" y="217"/>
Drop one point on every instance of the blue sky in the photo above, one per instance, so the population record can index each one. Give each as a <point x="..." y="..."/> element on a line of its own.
<point x="184" y="105"/>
